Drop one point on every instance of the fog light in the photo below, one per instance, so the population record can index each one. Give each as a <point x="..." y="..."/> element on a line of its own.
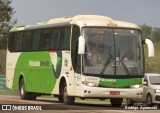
<point x="85" y="91"/>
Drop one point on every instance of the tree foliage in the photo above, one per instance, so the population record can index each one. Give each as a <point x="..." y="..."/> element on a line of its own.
<point x="146" y="31"/>
<point x="6" y="22"/>
<point x="150" y="33"/>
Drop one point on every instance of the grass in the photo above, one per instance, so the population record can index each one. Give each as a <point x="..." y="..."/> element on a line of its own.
<point x="9" y="92"/>
<point x="152" y="65"/>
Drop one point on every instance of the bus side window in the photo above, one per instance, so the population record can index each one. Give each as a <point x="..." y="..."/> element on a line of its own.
<point x="65" y="38"/>
<point x="18" y="41"/>
<point x="35" y="41"/>
<point x="45" y="39"/>
<point x="74" y="49"/>
<point x="55" y="39"/>
<point x="11" y="43"/>
<point x="26" y="41"/>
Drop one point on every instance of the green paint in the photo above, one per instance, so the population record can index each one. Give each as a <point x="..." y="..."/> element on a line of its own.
<point x="38" y="71"/>
<point x="120" y="83"/>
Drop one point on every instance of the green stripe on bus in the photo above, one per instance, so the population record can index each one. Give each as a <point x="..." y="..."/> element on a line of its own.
<point x="119" y="83"/>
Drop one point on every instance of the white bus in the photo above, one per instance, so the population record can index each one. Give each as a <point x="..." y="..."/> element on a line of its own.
<point x="85" y="56"/>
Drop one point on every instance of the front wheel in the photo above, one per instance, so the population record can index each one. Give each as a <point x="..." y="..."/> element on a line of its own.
<point x="116" y="102"/>
<point x="67" y="99"/>
<point x="60" y="98"/>
<point x="130" y="102"/>
<point x="149" y="100"/>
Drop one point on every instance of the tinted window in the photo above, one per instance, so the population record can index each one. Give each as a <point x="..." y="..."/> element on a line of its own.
<point x="65" y="38"/>
<point x="11" y="43"/>
<point x="35" y="40"/>
<point x="15" y="41"/>
<point x="26" y="41"/>
<point x="74" y="50"/>
<point x="55" y="38"/>
<point x="45" y="39"/>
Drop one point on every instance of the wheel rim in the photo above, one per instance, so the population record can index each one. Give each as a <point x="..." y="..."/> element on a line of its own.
<point x="22" y="90"/>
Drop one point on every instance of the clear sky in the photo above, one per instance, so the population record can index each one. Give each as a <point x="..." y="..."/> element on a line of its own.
<point x="135" y="11"/>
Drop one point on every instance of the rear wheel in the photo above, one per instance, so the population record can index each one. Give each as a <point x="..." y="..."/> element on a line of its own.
<point x="23" y="94"/>
<point x="116" y="102"/>
<point x="67" y="99"/>
<point x="149" y="100"/>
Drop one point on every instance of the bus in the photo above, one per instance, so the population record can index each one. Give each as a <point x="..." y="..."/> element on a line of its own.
<point x="84" y="56"/>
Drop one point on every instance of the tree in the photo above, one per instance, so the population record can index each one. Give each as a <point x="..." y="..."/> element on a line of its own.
<point x="156" y="34"/>
<point x="6" y="22"/>
<point x="146" y="31"/>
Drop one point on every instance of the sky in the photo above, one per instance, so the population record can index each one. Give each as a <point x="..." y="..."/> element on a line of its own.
<point x="136" y="11"/>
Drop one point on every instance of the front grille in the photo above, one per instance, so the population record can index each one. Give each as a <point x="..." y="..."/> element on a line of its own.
<point x="157" y="98"/>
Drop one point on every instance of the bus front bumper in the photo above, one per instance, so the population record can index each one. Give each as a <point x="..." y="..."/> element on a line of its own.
<point x="98" y="92"/>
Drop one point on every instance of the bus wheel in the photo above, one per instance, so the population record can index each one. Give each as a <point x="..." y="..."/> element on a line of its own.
<point x="149" y="100"/>
<point x="130" y="102"/>
<point x="116" y="102"/>
<point x="32" y="96"/>
<point x="60" y="98"/>
<point x="23" y="94"/>
<point x="67" y="99"/>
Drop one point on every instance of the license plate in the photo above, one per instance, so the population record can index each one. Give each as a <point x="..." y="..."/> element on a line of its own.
<point x="114" y="93"/>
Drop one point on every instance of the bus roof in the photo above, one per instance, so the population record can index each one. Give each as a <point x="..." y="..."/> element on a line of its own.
<point x="80" y="20"/>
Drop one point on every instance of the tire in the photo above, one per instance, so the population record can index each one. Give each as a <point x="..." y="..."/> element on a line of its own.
<point x="67" y="99"/>
<point x="60" y="98"/>
<point x="130" y="102"/>
<point x="116" y="102"/>
<point x="149" y="100"/>
<point x="23" y="94"/>
<point x="32" y="96"/>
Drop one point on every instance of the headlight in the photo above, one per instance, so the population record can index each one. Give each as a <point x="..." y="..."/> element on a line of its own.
<point x="91" y="84"/>
<point x="136" y="86"/>
<point x="157" y="90"/>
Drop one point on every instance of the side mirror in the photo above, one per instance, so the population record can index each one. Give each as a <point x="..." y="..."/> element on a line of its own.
<point x="81" y="45"/>
<point x="150" y="47"/>
<point x="145" y="83"/>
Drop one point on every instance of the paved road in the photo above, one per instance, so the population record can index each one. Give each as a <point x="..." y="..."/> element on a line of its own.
<point x="53" y="106"/>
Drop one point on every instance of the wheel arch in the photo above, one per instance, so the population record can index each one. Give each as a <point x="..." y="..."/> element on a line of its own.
<point x="62" y="80"/>
<point x="21" y="76"/>
<point x="149" y="93"/>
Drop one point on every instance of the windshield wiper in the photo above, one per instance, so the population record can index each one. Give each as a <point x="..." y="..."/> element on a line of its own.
<point x="106" y="64"/>
<point x="125" y="67"/>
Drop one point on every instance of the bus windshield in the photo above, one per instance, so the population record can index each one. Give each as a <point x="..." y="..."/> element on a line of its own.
<point x="112" y="51"/>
